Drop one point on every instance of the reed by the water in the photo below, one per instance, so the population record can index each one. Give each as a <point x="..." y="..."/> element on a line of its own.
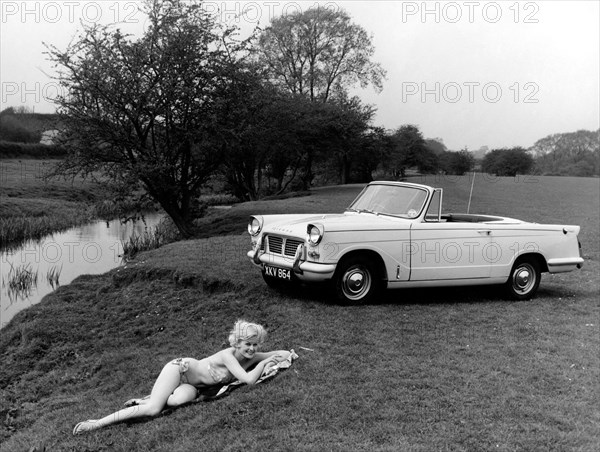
<point x="53" y="276"/>
<point x="20" y="280"/>
<point x="163" y="233"/>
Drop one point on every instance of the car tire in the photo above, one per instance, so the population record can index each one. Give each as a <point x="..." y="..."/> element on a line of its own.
<point x="356" y="281"/>
<point x="524" y="279"/>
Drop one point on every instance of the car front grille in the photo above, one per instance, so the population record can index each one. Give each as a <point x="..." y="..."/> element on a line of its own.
<point x="282" y="245"/>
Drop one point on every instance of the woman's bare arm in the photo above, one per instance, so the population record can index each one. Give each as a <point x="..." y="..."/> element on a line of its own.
<point x="280" y="355"/>
<point x="248" y="377"/>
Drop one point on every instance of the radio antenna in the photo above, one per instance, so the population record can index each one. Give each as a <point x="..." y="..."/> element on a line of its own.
<point x="471" y="193"/>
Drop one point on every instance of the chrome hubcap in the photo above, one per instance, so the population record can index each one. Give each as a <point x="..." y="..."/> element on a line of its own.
<point x="523" y="279"/>
<point x="356" y="282"/>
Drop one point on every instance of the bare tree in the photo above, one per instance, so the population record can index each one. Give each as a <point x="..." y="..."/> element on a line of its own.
<point x="317" y="52"/>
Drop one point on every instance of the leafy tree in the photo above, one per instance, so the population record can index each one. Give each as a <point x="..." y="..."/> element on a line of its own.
<point x="292" y="123"/>
<point x="507" y="162"/>
<point x="436" y="145"/>
<point x="375" y="145"/>
<point x="457" y="163"/>
<point x="319" y="54"/>
<point x="263" y="128"/>
<point x="545" y="145"/>
<point x="574" y="154"/>
<point x="344" y="124"/>
<point x="318" y="51"/>
<point x="146" y="111"/>
<point x="243" y="120"/>
<point x="328" y="135"/>
<point x="269" y="135"/>
<point x="409" y="150"/>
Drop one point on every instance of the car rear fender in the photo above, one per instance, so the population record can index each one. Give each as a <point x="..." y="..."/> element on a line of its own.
<point x="538" y="257"/>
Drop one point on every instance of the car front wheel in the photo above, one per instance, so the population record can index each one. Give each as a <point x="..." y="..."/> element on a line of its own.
<point x="524" y="279"/>
<point x="356" y="281"/>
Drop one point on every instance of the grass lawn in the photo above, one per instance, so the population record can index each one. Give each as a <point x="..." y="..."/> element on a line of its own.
<point x="420" y="370"/>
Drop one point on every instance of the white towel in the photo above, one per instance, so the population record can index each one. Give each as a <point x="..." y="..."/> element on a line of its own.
<point x="267" y="373"/>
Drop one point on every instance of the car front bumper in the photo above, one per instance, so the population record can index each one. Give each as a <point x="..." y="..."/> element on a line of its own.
<point x="303" y="270"/>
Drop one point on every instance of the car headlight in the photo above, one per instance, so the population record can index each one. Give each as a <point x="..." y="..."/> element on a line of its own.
<point x="255" y="225"/>
<point x="315" y="233"/>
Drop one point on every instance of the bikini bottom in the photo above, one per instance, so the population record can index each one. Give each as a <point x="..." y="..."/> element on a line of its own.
<point x="184" y="366"/>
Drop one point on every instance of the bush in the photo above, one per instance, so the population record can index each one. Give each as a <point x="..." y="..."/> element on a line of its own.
<point x="507" y="162"/>
<point x="457" y="163"/>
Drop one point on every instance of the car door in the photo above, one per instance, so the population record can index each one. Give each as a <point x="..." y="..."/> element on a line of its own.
<point x="441" y="250"/>
<point x="450" y="251"/>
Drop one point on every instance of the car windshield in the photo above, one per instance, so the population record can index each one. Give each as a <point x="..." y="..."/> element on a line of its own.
<point x="396" y="200"/>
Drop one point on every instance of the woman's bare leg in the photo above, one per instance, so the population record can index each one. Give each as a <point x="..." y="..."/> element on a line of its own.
<point x="133" y="402"/>
<point x="166" y="384"/>
<point x="184" y="393"/>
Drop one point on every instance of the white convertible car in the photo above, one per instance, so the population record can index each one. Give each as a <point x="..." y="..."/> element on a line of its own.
<point x="395" y="235"/>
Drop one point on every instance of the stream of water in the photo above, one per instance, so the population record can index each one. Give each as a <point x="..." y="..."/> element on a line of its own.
<point x="90" y="249"/>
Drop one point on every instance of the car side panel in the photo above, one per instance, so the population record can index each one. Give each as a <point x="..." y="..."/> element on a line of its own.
<point x="556" y="244"/>
<point x="447" y="251"/>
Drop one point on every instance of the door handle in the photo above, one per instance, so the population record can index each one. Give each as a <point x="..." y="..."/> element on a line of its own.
<point x="488" y="232"/>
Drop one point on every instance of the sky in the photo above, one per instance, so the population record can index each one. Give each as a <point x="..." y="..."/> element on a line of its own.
<point x="471" y="73"/>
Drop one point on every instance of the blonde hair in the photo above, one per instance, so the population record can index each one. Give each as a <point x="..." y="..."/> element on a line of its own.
<point x="243" y="331"/>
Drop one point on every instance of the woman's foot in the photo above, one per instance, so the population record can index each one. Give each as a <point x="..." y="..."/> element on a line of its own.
<point x="86" y="426"/>
<point x="134" y="402"/>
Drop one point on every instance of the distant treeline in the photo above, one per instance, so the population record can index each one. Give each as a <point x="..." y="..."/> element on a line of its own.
<point x="23" y="126"/>
<point x="21" y="131"/>
<point x="566" y="154"/>
<point x="11" y="150"/>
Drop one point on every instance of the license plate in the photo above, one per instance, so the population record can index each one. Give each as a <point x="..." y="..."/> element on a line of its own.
<point x="279" y="273"/>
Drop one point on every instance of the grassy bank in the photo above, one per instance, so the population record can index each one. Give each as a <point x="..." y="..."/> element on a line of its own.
<point x="32" y="207"/>
<point x="458" y="369"/>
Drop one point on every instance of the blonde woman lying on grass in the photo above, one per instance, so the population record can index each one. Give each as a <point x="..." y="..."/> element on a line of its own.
<point x="180" y="379"/>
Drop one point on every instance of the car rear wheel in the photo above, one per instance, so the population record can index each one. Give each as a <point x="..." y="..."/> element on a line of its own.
<point x="356" y="281"/>
<point x="524" y="279"/>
